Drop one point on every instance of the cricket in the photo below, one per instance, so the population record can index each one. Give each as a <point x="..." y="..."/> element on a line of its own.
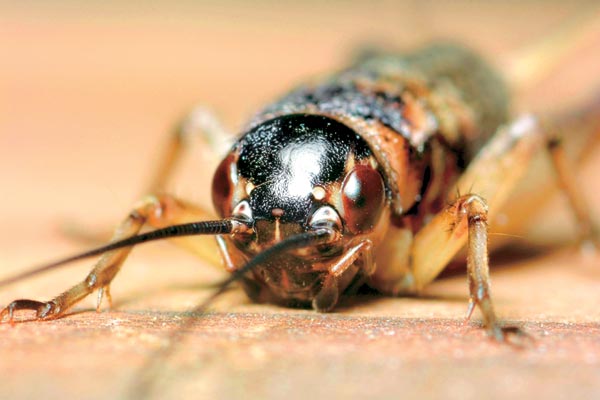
<point x="375" y="175"/>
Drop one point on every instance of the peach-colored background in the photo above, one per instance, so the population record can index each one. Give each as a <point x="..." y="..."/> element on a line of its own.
<point x="87" y="95"/>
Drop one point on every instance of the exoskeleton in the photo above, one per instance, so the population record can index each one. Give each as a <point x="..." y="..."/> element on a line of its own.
<point x="376" y="175"/>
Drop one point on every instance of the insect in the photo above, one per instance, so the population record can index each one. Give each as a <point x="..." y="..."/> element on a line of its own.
<point x="376" y="175"/>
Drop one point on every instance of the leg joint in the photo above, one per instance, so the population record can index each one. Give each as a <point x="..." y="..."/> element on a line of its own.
<point x="474" y="206"/>
<point x="153" y="209"/>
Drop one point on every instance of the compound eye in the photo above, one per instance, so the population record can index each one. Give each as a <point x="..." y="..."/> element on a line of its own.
<point x="223" y="184"/>
<point x="363" y="198"/>
<point x="325" y="216"/>
<point x="243" y="211"/>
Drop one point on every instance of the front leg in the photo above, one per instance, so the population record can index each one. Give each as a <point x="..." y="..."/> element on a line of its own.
<point x="156" y="211"/>
<point x="493" y="174"/>
<point x="474" y="210"/>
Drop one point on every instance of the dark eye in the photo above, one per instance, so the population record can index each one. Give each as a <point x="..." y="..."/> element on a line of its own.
<point x="223" y="184"/>
<point x="363" y="198"/>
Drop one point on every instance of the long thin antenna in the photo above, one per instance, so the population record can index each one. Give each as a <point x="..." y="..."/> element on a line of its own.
<point x="218" y="227"/>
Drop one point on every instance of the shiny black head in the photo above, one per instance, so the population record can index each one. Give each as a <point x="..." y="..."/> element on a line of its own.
<point x="290" y="159"/>
<point x="292" y="172"/>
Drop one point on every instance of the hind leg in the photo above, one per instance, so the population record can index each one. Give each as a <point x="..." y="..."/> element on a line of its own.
<point x="566" y="180"/>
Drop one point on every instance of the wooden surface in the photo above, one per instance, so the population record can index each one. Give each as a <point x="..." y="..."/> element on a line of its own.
<point x="87" y="94"/>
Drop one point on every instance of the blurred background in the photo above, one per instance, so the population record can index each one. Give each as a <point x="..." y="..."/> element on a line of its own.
<point x="90" y="90"/>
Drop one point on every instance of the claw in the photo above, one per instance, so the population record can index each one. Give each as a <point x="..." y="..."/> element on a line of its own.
<point x="103" y="292"/>
<point x="513" y="335"/>
<point x="48" y="310"/>
<point x="43" y="310"/>
<point x="470" y="310"/>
